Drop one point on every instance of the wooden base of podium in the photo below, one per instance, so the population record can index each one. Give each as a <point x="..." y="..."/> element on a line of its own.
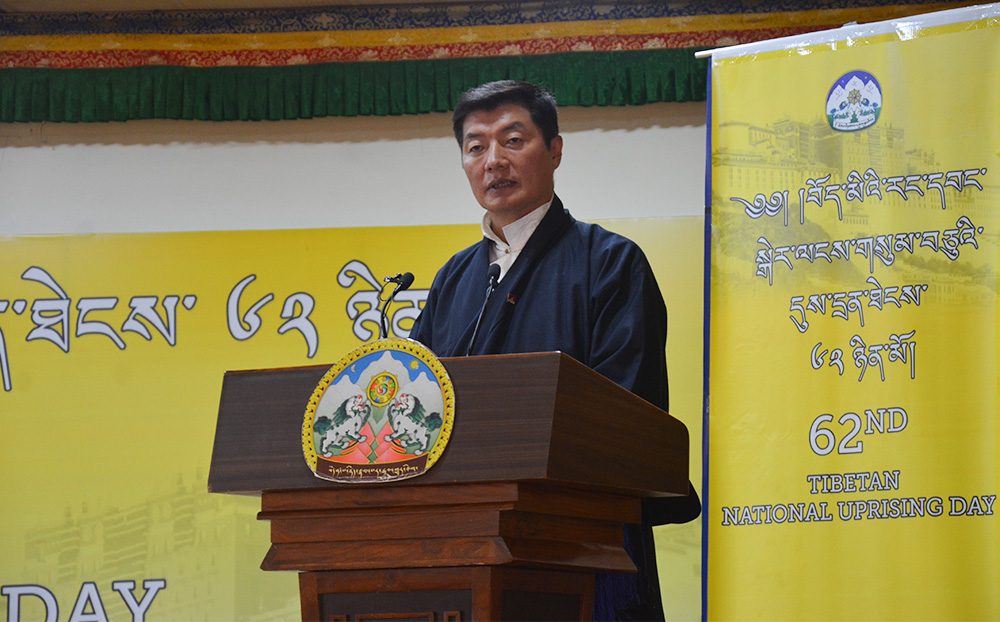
<point x="446" y="594"/>
<point x="489" y="551"/>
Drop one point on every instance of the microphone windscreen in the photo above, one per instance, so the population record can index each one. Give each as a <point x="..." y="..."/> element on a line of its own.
<point x="494" y="272"/>
<point x="405" y="281"/>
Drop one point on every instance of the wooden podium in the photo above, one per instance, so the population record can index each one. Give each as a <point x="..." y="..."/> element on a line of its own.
<point x="547" y="461"/>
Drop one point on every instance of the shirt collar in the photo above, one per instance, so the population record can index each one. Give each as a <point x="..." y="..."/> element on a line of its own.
<point x="518" y="232"/>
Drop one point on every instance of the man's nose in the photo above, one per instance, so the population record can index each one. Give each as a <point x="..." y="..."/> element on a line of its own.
<point x="496" y="157"/>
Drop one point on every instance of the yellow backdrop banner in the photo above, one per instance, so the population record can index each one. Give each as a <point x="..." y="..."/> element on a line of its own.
<point x="113" y="349"/>
<point x="853" y="344"/>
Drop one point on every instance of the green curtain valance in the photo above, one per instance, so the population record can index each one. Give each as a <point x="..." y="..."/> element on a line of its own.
<point x="340" y="89"/>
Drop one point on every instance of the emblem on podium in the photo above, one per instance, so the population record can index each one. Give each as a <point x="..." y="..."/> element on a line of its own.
<point x="382" y="413"/>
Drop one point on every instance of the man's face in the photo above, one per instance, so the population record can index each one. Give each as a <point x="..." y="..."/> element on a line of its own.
<point x="508" y="165"/>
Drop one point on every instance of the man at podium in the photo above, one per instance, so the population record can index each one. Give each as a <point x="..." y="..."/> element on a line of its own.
<point x="561" y="285"/>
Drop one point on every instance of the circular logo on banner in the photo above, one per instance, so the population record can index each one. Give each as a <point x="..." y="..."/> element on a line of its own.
<point x="854" y="102"/>
<point x="383" y="413"/>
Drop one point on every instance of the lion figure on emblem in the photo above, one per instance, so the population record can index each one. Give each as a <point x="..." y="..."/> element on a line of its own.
<point x="408" y="419"/>
<point x="346" y="425"/>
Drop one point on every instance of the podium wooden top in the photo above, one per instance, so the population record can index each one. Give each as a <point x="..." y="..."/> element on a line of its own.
<point x="519" y="417"/>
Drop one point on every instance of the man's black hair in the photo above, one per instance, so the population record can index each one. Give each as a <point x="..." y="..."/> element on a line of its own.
<point x="540" y="104"/>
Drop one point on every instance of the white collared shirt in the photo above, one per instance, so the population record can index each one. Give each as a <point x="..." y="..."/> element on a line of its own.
<point x="517" y="233"/>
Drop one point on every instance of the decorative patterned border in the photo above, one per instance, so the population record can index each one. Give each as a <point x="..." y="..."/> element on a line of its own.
<point x="372" y="34"/>
<point x="286" y="57"/>
<point x="420" y="16"/>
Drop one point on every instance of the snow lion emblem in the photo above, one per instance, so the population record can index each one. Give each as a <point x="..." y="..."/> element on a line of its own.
<point x="382" y="413"/>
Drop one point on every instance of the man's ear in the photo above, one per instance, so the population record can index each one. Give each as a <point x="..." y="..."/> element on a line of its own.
<point x="556" y="148"/>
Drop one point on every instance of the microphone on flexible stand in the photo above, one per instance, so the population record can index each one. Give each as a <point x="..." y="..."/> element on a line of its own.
<point x="402" y="281"/>
<point x="493" y="274"/>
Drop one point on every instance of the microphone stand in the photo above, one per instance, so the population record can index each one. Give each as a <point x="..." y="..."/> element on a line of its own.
<point x="494" y="278"/>
<point x="403" y="282"/>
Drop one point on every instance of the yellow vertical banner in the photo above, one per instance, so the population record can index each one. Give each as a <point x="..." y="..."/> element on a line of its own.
<point x="853" y="392"/>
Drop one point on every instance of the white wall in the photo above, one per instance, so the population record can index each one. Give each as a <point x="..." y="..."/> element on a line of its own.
<point x="151" y="176"/>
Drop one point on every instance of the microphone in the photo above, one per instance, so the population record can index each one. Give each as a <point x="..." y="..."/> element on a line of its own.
<point x="493" y="276"/>
<point x="403" y="282"/>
